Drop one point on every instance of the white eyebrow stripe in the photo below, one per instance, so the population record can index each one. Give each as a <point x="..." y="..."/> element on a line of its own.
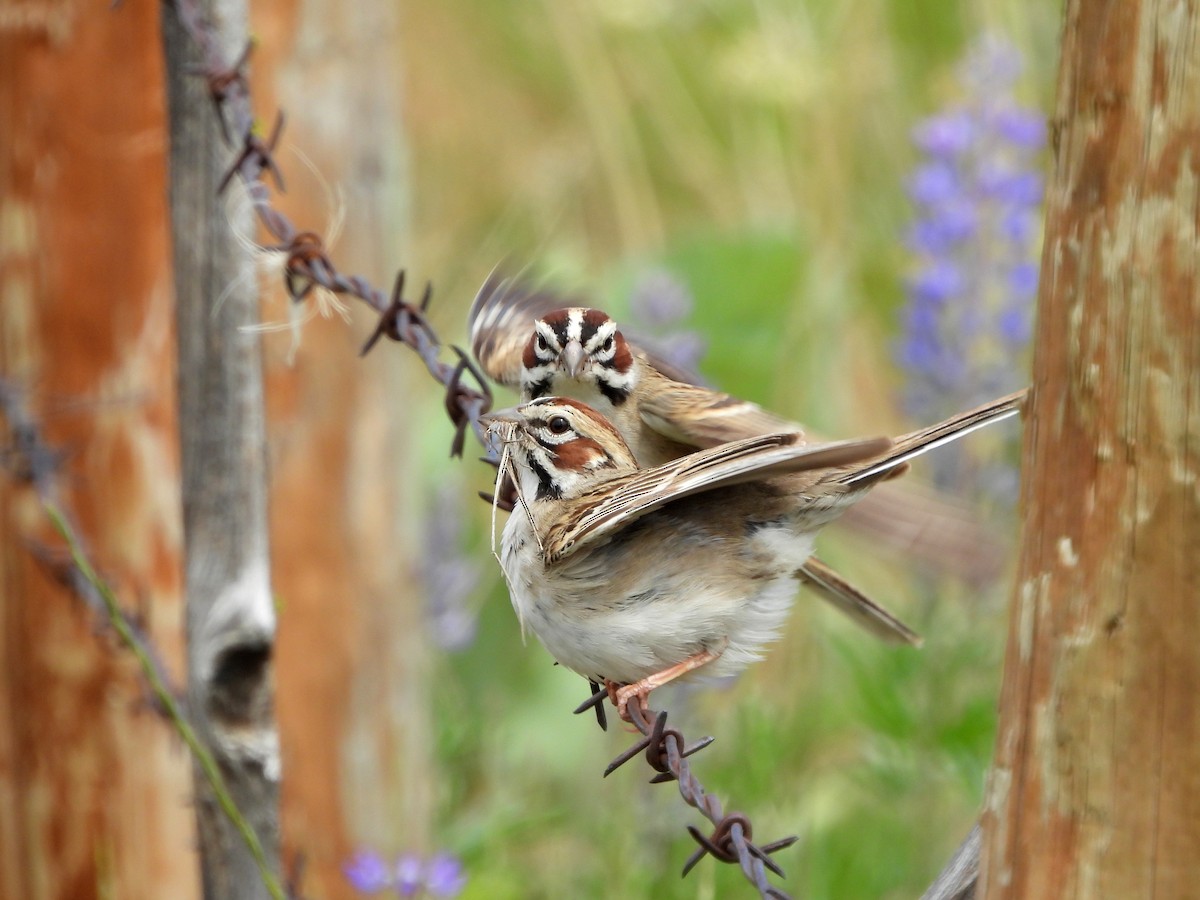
<point x="546" y="332"/>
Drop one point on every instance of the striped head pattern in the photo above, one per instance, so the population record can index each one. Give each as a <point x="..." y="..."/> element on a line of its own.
<point x="573" y="347"/>
<point x="561" y="446"/>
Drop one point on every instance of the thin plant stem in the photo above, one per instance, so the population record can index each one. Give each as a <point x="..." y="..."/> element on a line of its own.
<point x="163" y="695"/>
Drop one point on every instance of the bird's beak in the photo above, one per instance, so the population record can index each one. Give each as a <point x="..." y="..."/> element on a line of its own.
<point x="508" y="416"/>
<point x="573" y="356"/>
<point x="501" y="427"/>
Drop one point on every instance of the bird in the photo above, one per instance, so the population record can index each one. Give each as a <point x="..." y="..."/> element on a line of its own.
<point x="522" y="337"/>
<point x="542" y="343"/>
<point x="635" y="576"/>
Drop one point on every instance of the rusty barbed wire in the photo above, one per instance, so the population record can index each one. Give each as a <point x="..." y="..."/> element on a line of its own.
<point x="667" y="752"/>
<point x="31" y="461"/>
<point x="307" y="265"/>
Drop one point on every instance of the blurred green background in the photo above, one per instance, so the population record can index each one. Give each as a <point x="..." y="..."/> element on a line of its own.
<point x="758" y="152"/>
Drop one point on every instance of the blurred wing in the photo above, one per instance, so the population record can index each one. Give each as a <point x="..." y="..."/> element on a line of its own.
<point x="651" y="353"/>
<point x="597" y="516"/>
<point x="501" y="321"/>
<point x="701" y="417"/>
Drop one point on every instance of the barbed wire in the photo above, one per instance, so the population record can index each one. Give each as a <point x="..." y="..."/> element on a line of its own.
<point x="667" y="752"/>
<point x="307" y="262"/>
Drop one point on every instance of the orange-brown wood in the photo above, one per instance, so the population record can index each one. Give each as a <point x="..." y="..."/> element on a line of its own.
<point x="354" y="718"/>
<point x="94" y="790"/>
<point x="1095" y="791"/>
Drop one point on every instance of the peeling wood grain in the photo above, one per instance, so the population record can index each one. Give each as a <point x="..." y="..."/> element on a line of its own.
<point x="1095" y="792"/>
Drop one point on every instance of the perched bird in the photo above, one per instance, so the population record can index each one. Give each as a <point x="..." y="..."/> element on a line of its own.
<point x="521" y="338"/>
<point x="535" y="341"/>
<point x="633" y="577"/>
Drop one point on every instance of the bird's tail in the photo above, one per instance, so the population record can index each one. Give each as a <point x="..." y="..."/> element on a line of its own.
<point x="831" y="587"/>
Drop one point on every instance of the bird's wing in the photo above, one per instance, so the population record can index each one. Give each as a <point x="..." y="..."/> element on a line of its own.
<point x="501" y="320"/>
<point x="599" y="514"/>
<point x="701" y="417"/>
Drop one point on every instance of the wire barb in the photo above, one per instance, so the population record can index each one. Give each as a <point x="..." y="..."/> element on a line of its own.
<point x="256" y="157"/>
<point x="459" y="395"/>
<point x="223" y="81"/>
<point x="596" y="701"/>
<point x="305" y="265"/>
<point x="667" y="753"/>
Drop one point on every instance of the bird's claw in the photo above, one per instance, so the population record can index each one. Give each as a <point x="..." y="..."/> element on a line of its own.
<point x="621" y="694"/>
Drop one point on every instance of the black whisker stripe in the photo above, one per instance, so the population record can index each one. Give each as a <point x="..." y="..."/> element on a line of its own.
<point x="540" y="388"/>
<point x="547" y="489"/>
<point x="616" y="396"/>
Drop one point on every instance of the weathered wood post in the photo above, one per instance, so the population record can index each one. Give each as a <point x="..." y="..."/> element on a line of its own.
<point x="1095" y="790"/>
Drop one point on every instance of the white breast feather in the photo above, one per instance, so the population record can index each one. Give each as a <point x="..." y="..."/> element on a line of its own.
<point x="573" y="608"/>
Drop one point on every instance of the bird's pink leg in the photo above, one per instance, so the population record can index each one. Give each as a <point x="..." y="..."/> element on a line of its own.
<point x="622" y="694"/>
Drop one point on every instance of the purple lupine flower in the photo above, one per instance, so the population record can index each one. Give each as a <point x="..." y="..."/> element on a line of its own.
<point x="441" y="875"/>
<point x="368" y="873"/>
<point x="659" y="306"/>
<point x="1021" y="127"/>
<point x="410" y="874"/>
<point x="946" y="135"/>
<point x="977" y="194"/>
<point x="444" y="876"/>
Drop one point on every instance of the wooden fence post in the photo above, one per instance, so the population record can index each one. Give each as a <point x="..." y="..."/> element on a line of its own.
<point x="1095" y="790"/>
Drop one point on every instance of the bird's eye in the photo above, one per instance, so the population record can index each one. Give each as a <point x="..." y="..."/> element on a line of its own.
<point x="608" y="344"/>
<point x="559" y="425"/>
<point x="541" y="342"/>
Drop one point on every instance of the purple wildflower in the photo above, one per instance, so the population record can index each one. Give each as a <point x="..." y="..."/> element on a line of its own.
<point x="934" y="183"/>
<point x="441" y="875"/>
<point x="410" y="874"/>
<point x="1021" y="127"/>
<point x="368" y="873"/>
<point x="659" y="305"/>
<point x="947" y="135"/>
<point x="977" y="194"/>
<point x="444" y="876"/>
<point x="933" y="286"/>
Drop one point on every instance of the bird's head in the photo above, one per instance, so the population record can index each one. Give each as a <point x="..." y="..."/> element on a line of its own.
<point x="561" y="447"/>
<point x="578" y="352"/>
